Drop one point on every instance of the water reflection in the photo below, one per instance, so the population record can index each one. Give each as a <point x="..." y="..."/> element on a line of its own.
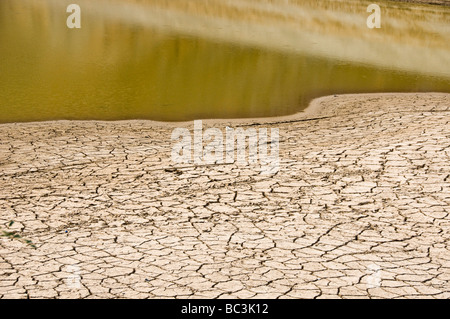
<point x="180" y="60"/>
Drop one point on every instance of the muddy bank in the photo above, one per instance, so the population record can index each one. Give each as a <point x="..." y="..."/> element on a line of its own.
<point x="363" y="185"/>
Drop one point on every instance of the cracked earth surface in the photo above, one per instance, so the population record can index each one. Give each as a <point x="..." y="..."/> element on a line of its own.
<point x="359" y="208"/>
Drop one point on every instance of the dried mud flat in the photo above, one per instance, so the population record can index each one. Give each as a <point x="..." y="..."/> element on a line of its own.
<point x="359" y="208"/>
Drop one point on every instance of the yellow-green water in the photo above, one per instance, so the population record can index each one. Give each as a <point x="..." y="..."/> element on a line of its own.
<point x="151" y="61"/>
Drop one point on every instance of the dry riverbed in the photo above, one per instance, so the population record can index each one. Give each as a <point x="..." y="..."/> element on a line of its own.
<point x="359" y="208"/>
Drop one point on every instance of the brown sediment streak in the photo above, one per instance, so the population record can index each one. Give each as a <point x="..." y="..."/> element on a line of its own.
<point x="413" y="37"/>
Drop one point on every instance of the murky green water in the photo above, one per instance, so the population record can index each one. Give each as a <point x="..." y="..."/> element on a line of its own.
<point x="127" y="64"/>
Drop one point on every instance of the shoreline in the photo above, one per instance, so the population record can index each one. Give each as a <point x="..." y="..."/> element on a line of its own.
<point x="315" y="108"/>
<point x="429" y="2"/>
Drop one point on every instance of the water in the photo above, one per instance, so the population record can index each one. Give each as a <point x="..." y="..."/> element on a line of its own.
<point x="182" y="60"/>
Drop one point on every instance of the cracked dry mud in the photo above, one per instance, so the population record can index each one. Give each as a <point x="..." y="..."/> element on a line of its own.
<point x="359" y="208"/>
